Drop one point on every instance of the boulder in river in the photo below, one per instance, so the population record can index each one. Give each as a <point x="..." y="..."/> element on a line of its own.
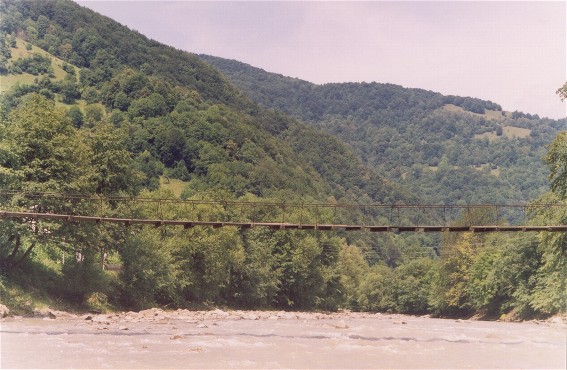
<point x="4" y="311"/>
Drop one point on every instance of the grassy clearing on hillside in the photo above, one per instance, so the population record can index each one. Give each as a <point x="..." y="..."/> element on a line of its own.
<point x="489" y="114"/>
<point x="22" y="52"/>
<point x="176" y="186"/>
<point x="491" y="136"/>
<point x="487" y="166"/>
<point x="512" y="131"/>
<point x="493" y="114"/>
<point x="6" y="82"/>
<point x="80" y="103"/>
<point x="507" y="131"/>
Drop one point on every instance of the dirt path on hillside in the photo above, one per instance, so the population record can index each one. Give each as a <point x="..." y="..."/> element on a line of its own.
<point x="254" y="339"/>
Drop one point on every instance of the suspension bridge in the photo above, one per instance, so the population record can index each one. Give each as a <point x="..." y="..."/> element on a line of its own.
<point x="77" y="208"/>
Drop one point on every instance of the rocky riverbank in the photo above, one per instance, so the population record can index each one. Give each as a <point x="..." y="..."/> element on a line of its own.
<point x="157" y="315"/>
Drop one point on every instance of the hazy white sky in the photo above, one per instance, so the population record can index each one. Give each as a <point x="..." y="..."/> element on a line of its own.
<point x="513" y="53"/>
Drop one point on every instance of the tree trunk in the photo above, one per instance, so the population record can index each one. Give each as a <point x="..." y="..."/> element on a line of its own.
<point x="27" y="253"/>
<point x="12" y="255"/>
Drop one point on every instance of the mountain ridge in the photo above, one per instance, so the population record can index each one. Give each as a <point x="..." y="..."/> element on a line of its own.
<point x="472" y="140"/>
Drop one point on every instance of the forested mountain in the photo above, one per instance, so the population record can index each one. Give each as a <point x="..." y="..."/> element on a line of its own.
<point x="156" y="93"/>
<point x="447" y="149"/>
<point x="88" y="106"/>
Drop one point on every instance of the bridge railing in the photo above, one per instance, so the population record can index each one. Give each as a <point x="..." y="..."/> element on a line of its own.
<point x="364" y="215"/>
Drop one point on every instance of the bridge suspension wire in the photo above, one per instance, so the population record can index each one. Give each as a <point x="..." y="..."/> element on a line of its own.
<point x="277" y="215"/>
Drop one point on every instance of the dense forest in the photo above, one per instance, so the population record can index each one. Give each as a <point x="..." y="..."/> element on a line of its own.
<point x="446" y="149"/>
<point x="91" y="107"/>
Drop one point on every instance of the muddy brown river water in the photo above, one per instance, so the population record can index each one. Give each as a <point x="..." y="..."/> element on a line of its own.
<point x="245" y="339"/>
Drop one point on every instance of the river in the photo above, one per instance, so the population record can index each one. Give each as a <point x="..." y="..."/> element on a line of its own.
<point x="260" y="339"/>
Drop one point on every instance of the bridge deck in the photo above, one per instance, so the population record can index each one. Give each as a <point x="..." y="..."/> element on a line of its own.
<point x="282" y="225"/>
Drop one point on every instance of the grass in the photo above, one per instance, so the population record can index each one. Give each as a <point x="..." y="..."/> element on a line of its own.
<point x="507" y="131"/>
<point x="494" y="114"/>
<point x="25" y="292"/>
<point x="176" y="186"/>
<point x="6" y="82"/>
<point x="453" y="108"/>
<point x="488" y="114"/>
<point x="56" y="63"/>
<point x="79" y="102"/>
<point x="512" y="131"/>
<point x="485" y="166"/>
<point x="491" y="136"/>
<point x="41" y="283"/>
<point x="20" y="51"/>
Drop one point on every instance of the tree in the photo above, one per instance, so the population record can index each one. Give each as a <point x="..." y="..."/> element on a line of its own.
<point x="94" y="113"/>
<point x="112" y="167"/>
<point x="51" y="155"/>
<point x="449" y="282"/>
<point x="352" y="268"/>
<point x="42" y="25"/>
<point x="502" y="276"/>
<point x="412" y="284"/>
<point x="148" y="275"/>
<point x="76" y="116"/>
<point x="69" y="90"/>
<point x="42" y="153"/>
<point x="556" y="158"/>
<point x="562" y="92"/>
<point x="550" y="292"/>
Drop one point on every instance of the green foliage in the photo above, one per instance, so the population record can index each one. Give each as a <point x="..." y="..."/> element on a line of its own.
<point x="501" y="277"/>
<point x="353" y="270"/>
<point x="449" y="293"/>
<point x="148" y="276"/>
<point x="550" y="292"/>
<point x="76" y="116"/>
<point x="36" y="64"/>
<point x="562" y="92"/>
<point x="412" y="285"/>
<point x="112" y="166"/>
<point x="376" y="291"/>
<point x="44" y="152"/>
<point x="94" y="113"/>
<point x="447" y="136"/>
<point x="556" y="158"/>
<point x="69" y="90"/>
<point x="5" y="54"/>
<point x="84" y="279"/>
<point x="51" y="155"/>
<point x="256" y="280"/>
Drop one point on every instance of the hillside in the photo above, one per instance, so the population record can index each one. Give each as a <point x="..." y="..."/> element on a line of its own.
<point x="445" y="148"/>
<point x="132" y="77"/>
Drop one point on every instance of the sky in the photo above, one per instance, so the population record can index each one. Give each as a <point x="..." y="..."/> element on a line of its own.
<point x="513" y="53"/>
